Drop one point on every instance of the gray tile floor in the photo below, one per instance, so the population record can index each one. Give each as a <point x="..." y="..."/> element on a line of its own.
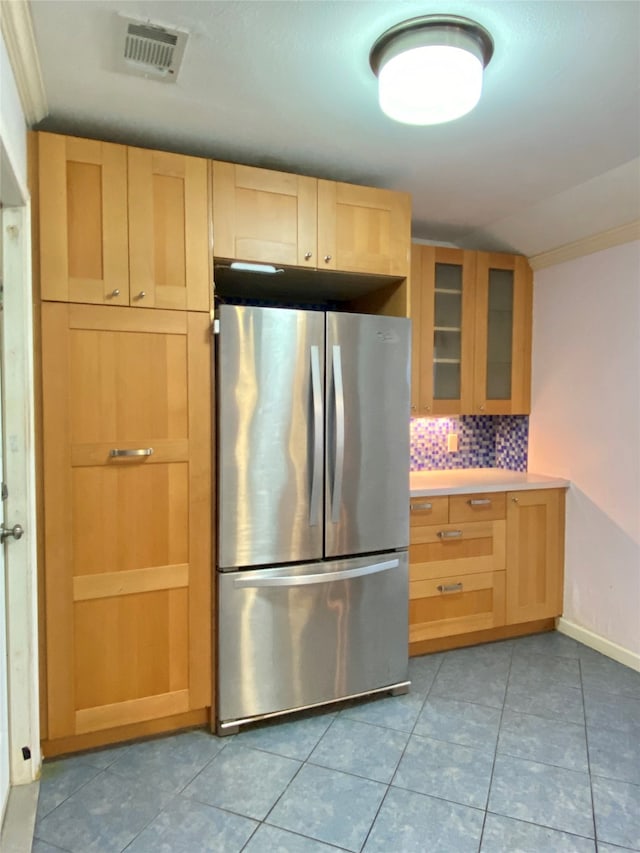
<point x="529" y="745"/>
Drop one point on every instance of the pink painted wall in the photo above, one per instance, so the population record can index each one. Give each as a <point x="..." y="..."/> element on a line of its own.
<point x="585" y="426"/>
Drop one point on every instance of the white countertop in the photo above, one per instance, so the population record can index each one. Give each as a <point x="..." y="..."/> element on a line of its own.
<point x="462" y="481"/>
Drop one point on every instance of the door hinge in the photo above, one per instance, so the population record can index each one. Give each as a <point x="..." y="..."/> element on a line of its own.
<point x="5" y="492"/>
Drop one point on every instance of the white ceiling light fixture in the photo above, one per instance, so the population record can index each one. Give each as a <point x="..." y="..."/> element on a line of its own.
<point x="430" y="68"/>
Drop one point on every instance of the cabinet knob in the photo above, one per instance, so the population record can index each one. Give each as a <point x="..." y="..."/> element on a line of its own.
<point x="142" y="294"/>
<point x="427" y="408"/>
<point x="114" y="293"/>
<point x="413" y="408"/>
<point x="307" y="256"/>
<point x="327" y="258"/>
<point x="481" y="407"/>
<point x="514" y="500"/>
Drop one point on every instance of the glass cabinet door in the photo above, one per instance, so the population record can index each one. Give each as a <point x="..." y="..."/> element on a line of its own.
<point x="447" y="331"/>
<point x="442" y="298"/>
<point x="499" y="334"/>
<point x="502" y="334"/>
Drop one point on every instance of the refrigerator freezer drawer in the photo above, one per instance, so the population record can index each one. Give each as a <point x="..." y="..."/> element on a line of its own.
<point x="295" y="636"/>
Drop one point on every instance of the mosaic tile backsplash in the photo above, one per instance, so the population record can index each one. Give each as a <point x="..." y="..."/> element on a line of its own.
<point x="484" y="441"/>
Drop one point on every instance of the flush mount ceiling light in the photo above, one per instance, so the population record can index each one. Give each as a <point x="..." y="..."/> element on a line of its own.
<point x="430" y="68"/>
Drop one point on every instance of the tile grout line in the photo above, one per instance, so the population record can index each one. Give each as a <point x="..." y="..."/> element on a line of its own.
<point x="175" y="795"/>
<point x="303" y="762"/>
<point x="393" y="775"/>
<point x="495" y="754"/>
<point x="586" y="740"/>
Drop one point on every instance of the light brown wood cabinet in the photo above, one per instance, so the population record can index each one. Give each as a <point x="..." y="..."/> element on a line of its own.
<point x="121" y="225"/>
<point x="127" y="514"/>
<point x="456" y="565"/>
<point x="471" y="314"/>
<point x="481" y="564"/>
<point x="535" y="554"/>
<point x="273" y="217"/>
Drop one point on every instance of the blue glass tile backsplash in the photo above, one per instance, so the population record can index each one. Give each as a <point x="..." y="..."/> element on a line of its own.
<point x="484" y="441"/>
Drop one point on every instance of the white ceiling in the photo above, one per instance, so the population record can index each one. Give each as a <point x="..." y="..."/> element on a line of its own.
<point x="550" y="155"/>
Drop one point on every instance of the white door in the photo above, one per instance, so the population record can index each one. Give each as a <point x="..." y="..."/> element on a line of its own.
<point x="4" y="699"/>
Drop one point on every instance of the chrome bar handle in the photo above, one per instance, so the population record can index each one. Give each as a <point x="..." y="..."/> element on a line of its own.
<point x="449" y="587"/>
<point x="414" y="507"/>
<point x="249" y="579"/>
<point x="339" y="463"/>
<point x="449" y="534"/>
<point x="141" y="451"/>
<point x="316" y="474"/>
<point x="479" y="502"/>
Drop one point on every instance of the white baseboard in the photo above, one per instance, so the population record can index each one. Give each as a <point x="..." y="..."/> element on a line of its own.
<point x="600" y="644"/>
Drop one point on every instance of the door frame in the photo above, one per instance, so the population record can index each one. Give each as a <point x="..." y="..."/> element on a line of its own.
<point x="20" y="475"/>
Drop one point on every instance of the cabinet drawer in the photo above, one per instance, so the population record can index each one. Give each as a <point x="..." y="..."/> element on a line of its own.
<point x="439" y="550"/>
<point x="428" y="511"/>
<point x="479" y="507"/>
<point x="457" y="604"/>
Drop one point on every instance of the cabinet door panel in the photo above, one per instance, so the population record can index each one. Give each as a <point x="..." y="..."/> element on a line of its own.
<point x="83" y="220"/>
<point x="108" y="630"/>
<point x="264" y="216"/>
<point x="127" y="542"/>
<point x="168" y="230"/>
<point x="363" y="229"/>
<point x="443" y="344"/>
<point x="502" y="366"/>
<point x="535" y="554"/>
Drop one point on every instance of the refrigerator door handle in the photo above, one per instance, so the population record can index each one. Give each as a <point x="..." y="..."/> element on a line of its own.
<point x="338" y="388"/>
<point x="316" y="475"/>
<point x="253" y="582"/>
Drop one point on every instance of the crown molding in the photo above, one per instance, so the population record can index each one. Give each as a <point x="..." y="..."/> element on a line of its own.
<point x="17" y="31"/>
<point x="588" y="245"/>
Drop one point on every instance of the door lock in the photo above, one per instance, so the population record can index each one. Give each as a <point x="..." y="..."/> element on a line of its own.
<point x="16" y="531"/>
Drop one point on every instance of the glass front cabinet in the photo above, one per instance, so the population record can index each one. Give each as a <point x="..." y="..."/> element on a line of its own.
<point x="471" y="315"/>
<point x="502" y="350"/>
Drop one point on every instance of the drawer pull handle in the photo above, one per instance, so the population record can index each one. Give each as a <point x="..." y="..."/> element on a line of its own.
<point x="142" y="451"/>
<point x="449" y="587"/>
<point x="449" y="534"/>
<point x="479" y="502"/>
<point x="421" y="506"/>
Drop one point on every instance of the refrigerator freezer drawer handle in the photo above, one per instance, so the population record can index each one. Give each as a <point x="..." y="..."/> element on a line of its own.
<point x="339" y="463"/>
<point x="304" y="580"/>
<point x="316" y="476"/>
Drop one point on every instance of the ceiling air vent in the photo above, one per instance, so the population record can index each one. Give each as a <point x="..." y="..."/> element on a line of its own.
<point x="149" y="50"/>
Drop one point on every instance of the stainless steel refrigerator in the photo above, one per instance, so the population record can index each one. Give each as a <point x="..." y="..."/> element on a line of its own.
<point x="313" y="508"/>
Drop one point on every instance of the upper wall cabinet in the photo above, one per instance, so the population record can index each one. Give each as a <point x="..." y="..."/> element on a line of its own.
<point x="275" y="217"/>
<point x="502" y="365"/>
<point x="122" y="226"/>
<point x="471" y="315"/>
<point x="442" y="311"/>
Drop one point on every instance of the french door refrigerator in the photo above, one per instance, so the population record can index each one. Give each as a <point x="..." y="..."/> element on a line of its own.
<point x="313" y="508"/>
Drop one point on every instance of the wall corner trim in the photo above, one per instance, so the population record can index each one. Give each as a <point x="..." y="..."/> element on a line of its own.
<point x="599" y="643"/>
<point x="17" y="31"/>
<point x="588" y="245"/>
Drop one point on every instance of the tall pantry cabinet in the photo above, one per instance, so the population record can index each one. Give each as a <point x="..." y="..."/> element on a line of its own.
<point x="124" y="271"/>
